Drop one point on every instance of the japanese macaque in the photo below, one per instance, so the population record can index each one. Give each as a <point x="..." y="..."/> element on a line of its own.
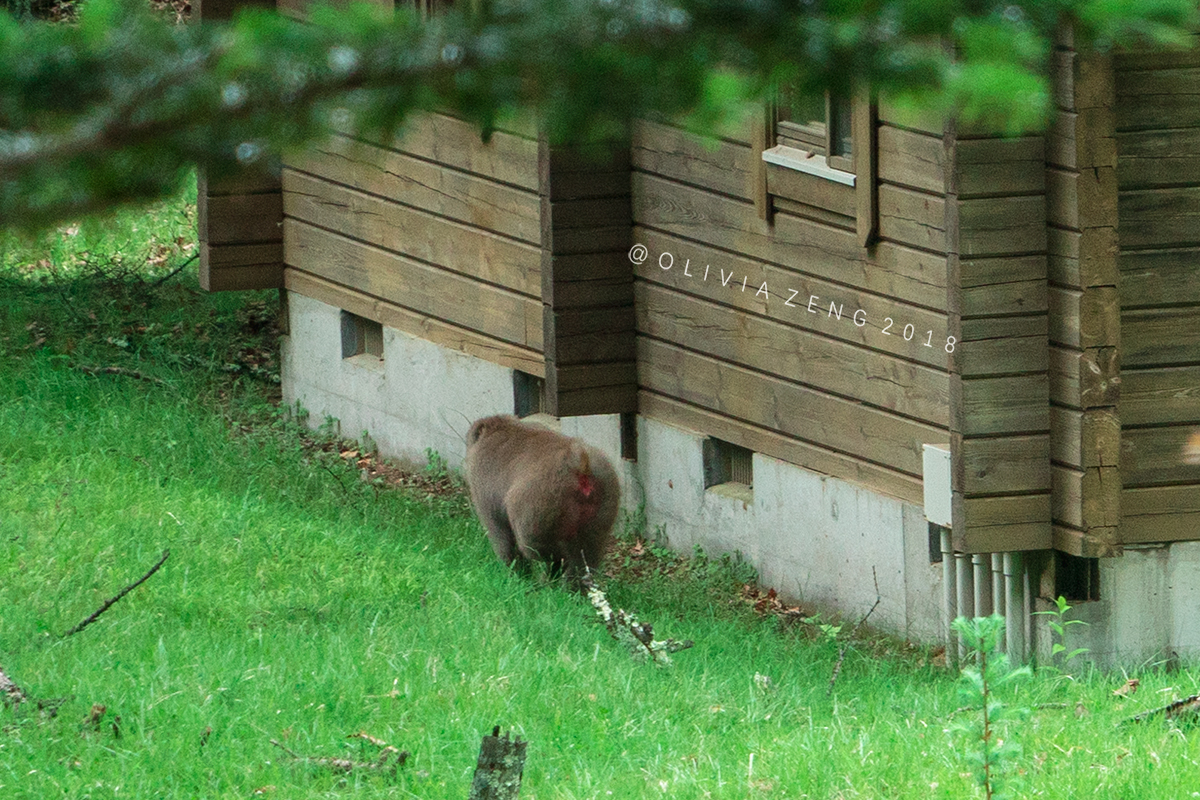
<point x="542" y="496"/>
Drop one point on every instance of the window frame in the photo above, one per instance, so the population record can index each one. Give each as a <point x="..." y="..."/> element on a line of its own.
<point x="834" y="188"/>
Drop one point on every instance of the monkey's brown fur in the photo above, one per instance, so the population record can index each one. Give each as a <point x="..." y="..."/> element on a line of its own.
<point x="542" y="496"/>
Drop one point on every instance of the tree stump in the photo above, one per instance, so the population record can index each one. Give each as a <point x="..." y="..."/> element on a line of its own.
<point x="498" y="771"/>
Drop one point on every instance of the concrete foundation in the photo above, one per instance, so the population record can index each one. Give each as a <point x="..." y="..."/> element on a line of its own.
<point x="1149" y="597"/>
<point x="819" y="540"/>
<point x="418" y="397"/>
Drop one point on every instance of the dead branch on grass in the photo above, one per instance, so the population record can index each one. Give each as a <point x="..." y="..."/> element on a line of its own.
<point x="174" y="272"/>
<point x="128" y="373"/>
<point x="837" y="667"/>
<point x="1188" y="707"/>
<point x="624" y="627"/>
<point x="109" y="602"/>
<point x="390" y="759"/>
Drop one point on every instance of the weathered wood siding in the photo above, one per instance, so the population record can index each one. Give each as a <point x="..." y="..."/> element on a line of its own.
<point x="1157" y="120"/>
<point x="435" y="234"/>
<point x="240" y="216"/>
<point x="587" y="280"/>
<point x="1085" y="327"/>
<point x="1001" y="465"/>
<point x="746" y="328"/>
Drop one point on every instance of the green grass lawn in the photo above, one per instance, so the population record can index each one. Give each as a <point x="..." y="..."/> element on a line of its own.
<point x="303" y="604"/>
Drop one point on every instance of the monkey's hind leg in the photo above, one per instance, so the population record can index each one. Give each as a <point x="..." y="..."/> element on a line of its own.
<point x="504" y="544"/>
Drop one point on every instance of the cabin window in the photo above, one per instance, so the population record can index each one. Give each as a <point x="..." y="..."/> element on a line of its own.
<point x="725" y="462"/>
<point x="361" y="336"/>
<point x="528" y="393"/>
<point x="817" y="126"/>
<point x="817" y="160"/>
<point x="1075" y="578"/>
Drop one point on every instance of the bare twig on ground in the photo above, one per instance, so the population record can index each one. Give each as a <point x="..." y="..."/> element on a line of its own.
<point x="128" y="373"/>
<point x="174" y="272"/>
<point x="336" y="477"/>
<point x="1187" y="707"/>
<point x="837" y="667"/>
<point x="390" y="759"/>
<point x="624" y="627"/>
<point x="109" y="602"/>
<point x="13" y="695"/>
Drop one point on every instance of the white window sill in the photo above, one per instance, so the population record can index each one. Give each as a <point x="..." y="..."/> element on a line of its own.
<point x="804" y="161"/>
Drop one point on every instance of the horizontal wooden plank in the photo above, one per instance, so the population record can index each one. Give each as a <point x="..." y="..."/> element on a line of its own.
<point x="771" y="443"/>
<point x="1000" y="167"/>
<point x="584" y="402"/>
<point x="912" y="218"/>
<point x="242" y="278"/>
<point x="237" y="267"/>
<point x="240" y="218"/>
<point x="578" y="241"/>
<point x="1182" y="82"/>
<point x="1160" y="396"/>
<point x="586" y="294"/>
<point x="1003" y="285"/>
<point x="1159" y="337"/>
<point x="1134" y="112"/>
<point x="1001" y="345"/>
<point x="1160" y="514"/>
<point x="456" y="247"/>
<point x="245" y="181"/>
<point x="911" y="159"/>
<point x="1002" y="226"/>
<point x="575" y="377"/>
<point x="507" y="157"/>
<point x="1157" y="158"/>
<point x="814" y="190"/>
<point x="792" y="353"/>
<point x="1159" y="277"/>
<point x="715" y="164"/>
<point x="446" y="192"/>
<point x="1005" y="524"/>
<point x="577" y="321"/>
<point x="907" y="274"/>
<point x="425" y="290"/>
<point x="825" y="308"/>
<point x="1159" y="217"/>
<point x="585" y="185"/>
<point x="1066" y="497"/>
<point x="567" y="268"/>
<point x="1154" y="456"/>
<point x="1009" y="404"/>
<point x="590" y="213"/>
<point x="1172" y="58"/>
<point x="1006" y="465"/>
<point x="1085" y="544"/>
<point x="431" y="329"/>
<point x="791" y="409"/>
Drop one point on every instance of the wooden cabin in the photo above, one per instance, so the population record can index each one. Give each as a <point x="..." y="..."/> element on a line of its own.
<point x="870" y="353"/>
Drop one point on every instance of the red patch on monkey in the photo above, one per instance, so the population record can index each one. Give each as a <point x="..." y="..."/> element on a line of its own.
<point x="586" y="485"/>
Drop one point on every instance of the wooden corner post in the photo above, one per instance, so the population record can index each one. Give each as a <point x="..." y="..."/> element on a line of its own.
<point x="240" y="218"/>
<point x="587" y="278"/>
